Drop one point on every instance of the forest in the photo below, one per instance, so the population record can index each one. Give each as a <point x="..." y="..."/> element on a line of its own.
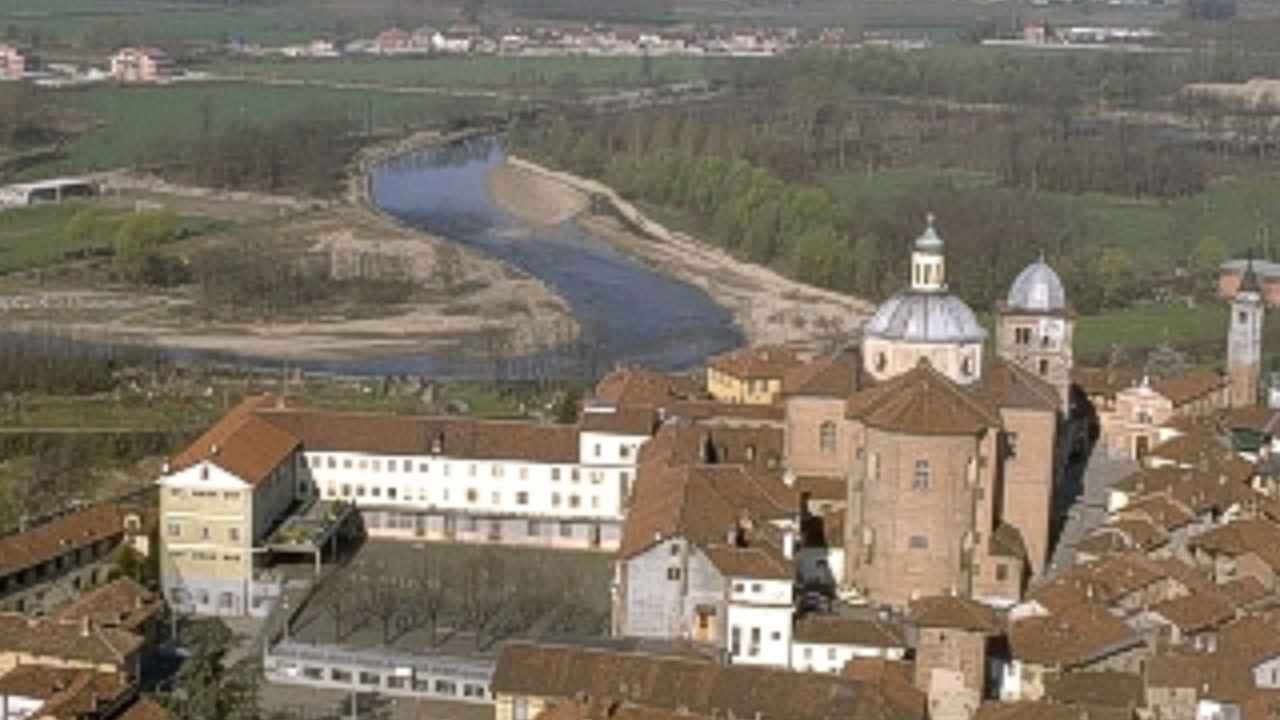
<point x="1004" y="148"/>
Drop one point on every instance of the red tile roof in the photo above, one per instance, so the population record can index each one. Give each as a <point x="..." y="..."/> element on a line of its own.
<point x="820" y="629"/>
<point x="959" y="613"/>
<point x="756" y="363"/>
<point x="831" y="376"/>
<point x="1013" y="386"/>
<point x="922" y="401"/>
<point x="66" y="640"/>
<point x="120" y="603"/>
<point x="1070" y="637"/>
<point x="242" y="443"/>
<point x="61" y="535"/>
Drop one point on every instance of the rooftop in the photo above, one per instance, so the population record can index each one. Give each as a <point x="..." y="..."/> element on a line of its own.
<point x="60" y="535"/>
<point x="922" y="401"/>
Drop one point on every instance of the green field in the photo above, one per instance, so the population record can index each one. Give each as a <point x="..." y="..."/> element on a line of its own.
<point x="36" y="236"/>
<point x="138" y="125"/>
<point x="75" y="22"/>
<point x="486" y="72"/>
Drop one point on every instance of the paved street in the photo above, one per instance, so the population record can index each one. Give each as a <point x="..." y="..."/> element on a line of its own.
<point x="1088" y="485"/>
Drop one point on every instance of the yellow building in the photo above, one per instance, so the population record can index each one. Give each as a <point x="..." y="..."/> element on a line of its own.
<point x="218" y="500"/>
<point x="750" y="376"/>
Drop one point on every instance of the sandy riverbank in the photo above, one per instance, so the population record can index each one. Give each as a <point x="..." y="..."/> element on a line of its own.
<point x="767" y="307"/>
<point x="467" y="302"/>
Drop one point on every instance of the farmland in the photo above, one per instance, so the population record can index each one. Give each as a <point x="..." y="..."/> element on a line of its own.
<point x="487" y="72"/>
<point x="140" y="125"/>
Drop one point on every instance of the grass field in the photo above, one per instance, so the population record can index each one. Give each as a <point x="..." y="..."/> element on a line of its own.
<point x="35" y="237"/>
<point x="490" y="72"/>
<point x="138" y="125"/>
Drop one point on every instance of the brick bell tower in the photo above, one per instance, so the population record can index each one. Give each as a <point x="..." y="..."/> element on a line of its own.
<point x="1244" y="340"/>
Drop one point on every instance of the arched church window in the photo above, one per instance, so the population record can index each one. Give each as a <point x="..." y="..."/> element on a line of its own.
<point x="881" y="361"/>
<point x="966" y="366"/>
<point x="827" y="437"/>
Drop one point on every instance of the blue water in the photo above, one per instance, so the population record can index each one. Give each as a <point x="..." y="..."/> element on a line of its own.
<point x="627" y="312"/>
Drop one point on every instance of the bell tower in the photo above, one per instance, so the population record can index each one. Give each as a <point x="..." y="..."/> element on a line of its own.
<point x="1035" y="328"/>
<point x="1244" y="340"/>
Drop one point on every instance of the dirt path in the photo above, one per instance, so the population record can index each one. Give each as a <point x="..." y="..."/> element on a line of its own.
<point x="767" y="307"/>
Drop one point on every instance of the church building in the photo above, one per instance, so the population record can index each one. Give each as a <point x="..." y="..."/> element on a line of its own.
<point x="950" y="455"/>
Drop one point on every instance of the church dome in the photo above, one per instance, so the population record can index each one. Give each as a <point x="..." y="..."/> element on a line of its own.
<point x="925" y="318"/>
<point x="1038" y="289"/>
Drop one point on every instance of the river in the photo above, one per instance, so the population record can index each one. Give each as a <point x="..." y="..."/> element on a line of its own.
<point x="628" y="312"/>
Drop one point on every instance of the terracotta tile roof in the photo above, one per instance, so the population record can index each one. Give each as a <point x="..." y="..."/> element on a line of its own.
<point x="67" y="693"/>
<point x="1215" y="675"/>
<point x="749" y="562"/>
<point x="698" y="686"/>
<point x="1104" y="581"/>
<point x="1006" y="541"/>
<point x="816" y="628"/>
<point x="633" y="420"/>
<point x="1258" y="418"/>
<point x="1194" y="580"/>
<point x="1043" y="710"/>
<point x="1106" y="688"/>
<point x="1252" y="638"/>
<point x="1196" y="612"/>
<point x="894" y="678"/>
<point x="831" y="376"/>
<point x="641" y="386"/>
<point x="700" y="504"/>
<point x="1010" y="385"/>
<point x="922" y="401"/>
<point x="1103" y="541"/>
<point x="685" y="443"/>
<point x="1190" y="448"/>
<point x="609" y="710"/>
<point x="1141" y="533"/>
<point x="242" y="443"/>
<point x="1240" y="537"/>
<point x="1161" y="510"/>
<point x="756" y="363"/>
<point x="729" y="412"/>
<point x="120" y="603"/>
<point x="145" y="709"/>
<point x="947" y="611"/>
<point x="1148" y="481"/>
<point x="823" y="488"/>
<point x="1105" y="381"/>
<point x="1245" y="591"/>
<point x="1191" y="385"/>
<point x="469" y="438"/>
<point x="60" y="535"/>
<point x="1070" y="637"/>
<point x="66" y="640"/>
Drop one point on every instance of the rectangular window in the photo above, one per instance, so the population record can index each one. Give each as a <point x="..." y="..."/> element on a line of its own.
<point x="673" y="573"/>
<point x="424" y="468"/>
<point x="920" y="479"/>
<point x="446" y="687"/>
<point x="360" y="491"/>
<point x="204" y="533"/>
<point x="522" y="498"/>
<point x="918" y="542"/>
<point x="757" y="588"/>
<point x="624" y="451"/>
<point x="524" y="473"/>
<point x="1002" y="571"/>
<point x="331" y="462"/>
<point x="535" y="529"/>
<point x="735" y="641"/>
<point x="391" y="493"/>
<point x="754" y="648"/>
<point x="342" y="676"/>
<point x="233" y="534"/>
<point x="555" y="473"/>
<point x="175" y="529"/>
<point x="368" y="678"/>
<point x="496" y="470"/>
<point x="575" y="501"/>
<point x="574" y="475"/>
<point x="407" y="465"/>
<point x="597" y="449"/>
<point x="555" y="499"/>
<point x="739" y="587"/>
<point x="376" y="491"/>
<point x="377" y="466"/>
<point x="496" y="498"/>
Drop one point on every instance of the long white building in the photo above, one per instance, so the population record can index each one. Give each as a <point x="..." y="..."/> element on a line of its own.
<point x="226" y="497"/>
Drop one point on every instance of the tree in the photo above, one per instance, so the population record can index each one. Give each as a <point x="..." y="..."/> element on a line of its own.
<point x="139" y="236"/>
<point x="1210" y="252"/>
<point x="205" y="688"/>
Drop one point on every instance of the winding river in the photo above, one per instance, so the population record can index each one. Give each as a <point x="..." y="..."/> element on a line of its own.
<point x="628" y="312"/>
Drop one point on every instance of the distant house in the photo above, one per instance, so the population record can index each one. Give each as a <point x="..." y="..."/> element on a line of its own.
<point x="1037" y="33"/>
<point x="392" y="41"/>
<point x="141" y="65"/>
<point x="13" y="64"/>
<point x="455" y="42"/>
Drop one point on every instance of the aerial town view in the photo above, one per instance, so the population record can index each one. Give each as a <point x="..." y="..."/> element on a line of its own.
<point x="639" y="360"/>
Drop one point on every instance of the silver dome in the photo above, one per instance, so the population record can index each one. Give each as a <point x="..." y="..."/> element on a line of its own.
<point x="1038" y="288"/>
<point x="926" y="318"/>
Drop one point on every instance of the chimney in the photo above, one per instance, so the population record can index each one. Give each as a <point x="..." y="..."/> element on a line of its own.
<point x="214" y="449"/>
<point x="84" y="626"/>
<point x="788" y="544"/>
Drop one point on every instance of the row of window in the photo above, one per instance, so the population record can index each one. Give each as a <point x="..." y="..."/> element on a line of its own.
<point x="204" y="494"/>
<point x="496" y="470"/>
<point x="370" y="679"/>
<point x="472" y="496"/>
<point x="205" y="533"/>
<point x="203" y="556"/>
<point x="492" y="528"/>
<point x="753" y="646"/>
